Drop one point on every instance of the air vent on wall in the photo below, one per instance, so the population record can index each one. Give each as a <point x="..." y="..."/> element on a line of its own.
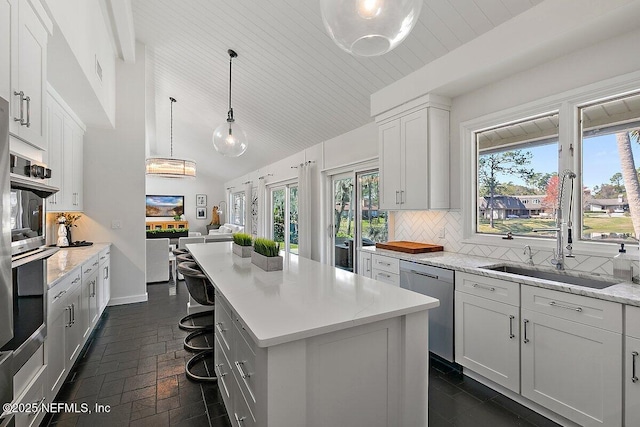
<point x="98" y="69"/>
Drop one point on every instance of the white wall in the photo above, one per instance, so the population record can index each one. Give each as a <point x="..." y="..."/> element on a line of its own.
<point x="114" y="184"/>
<point x="81" y="37"/>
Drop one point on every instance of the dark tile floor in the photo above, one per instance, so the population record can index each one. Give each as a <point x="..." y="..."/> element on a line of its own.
<point x="134" y="362"/>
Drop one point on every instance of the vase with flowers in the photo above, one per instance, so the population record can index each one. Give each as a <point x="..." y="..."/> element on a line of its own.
<point x="69" y="222"/>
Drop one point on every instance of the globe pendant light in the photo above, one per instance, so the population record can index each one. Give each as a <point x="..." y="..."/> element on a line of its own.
<point x="369" y="27"/>
<point x="229" y="139"/>
<point x="169" y="167"/>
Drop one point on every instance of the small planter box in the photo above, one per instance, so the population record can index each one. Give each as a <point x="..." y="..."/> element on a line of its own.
<point x="266" y="263"/>
<point x="242" y="251"/>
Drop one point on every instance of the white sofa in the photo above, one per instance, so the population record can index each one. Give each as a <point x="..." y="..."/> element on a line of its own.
<point x="224" y="233"/>
<point x="157" y="260"/>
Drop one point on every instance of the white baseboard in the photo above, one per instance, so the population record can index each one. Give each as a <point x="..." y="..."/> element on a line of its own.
<point x="129" y="299"/>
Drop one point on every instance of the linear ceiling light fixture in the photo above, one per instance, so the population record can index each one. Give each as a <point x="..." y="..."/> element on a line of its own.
<point x="369" y="27"/>
<point x="169" y="167"/>
<point x="229" y="139"/>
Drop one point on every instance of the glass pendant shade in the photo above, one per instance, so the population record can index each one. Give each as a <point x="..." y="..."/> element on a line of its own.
<point x="369" y="27"/>
<point x="171" y="168"/>
<point x="229" y="139"/>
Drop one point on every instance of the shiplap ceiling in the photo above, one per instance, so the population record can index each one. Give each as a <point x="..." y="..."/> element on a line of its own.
<point x="292" y="86"/>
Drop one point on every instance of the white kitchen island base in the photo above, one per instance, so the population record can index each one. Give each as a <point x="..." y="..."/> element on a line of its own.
<point x="312" y="346"/>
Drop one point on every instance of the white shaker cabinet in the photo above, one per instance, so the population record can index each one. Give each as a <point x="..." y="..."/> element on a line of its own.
<point x="385" y="269"/>
<point x="64" y="155"/>
<point x="414" y="159"/>
<point x="104" y="279"/>
<point x="571" y="349"/>
<point x="487" y="328"/>
<point x="632" y="366"/>
<point x="28" y="74"/>
<point x="364" y="263"/>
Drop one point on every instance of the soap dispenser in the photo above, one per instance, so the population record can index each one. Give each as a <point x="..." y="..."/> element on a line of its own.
<point x="622" y="265"/>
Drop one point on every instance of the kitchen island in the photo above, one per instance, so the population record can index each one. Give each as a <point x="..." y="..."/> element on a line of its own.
<point x="313" y="345"/>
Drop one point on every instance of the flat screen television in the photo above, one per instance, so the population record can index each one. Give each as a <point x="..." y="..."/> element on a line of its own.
<point x="165" y="206"/>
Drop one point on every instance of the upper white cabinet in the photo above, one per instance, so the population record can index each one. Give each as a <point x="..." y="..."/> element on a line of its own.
<point x="414" y="156"/>
<point x="28" y="71"/>
<point x="64" y="155"/>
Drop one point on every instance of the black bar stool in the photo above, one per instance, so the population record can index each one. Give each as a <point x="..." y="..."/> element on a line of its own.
<point x="202" y="291"/>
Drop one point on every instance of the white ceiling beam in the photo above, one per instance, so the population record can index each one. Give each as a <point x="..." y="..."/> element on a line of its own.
<point x="120" y="14"/>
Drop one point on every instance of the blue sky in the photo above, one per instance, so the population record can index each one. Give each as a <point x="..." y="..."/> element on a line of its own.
<point x="600" y="154"/>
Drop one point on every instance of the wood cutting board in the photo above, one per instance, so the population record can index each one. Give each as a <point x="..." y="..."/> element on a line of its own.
<point x="409" y="247"/>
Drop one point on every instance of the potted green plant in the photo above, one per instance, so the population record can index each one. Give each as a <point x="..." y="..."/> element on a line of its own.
<point x="242" y="244"/>
<point x="265" y="254"/>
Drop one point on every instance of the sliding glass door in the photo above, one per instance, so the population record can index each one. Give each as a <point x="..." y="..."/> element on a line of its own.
<point x="284" y="217"/>
<point x="356" y="220"/>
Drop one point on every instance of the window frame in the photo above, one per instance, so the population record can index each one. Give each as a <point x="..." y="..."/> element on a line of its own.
<point x="233" y="207"/>
<point x="286" y="186"/>
<point x="569" y="143"/>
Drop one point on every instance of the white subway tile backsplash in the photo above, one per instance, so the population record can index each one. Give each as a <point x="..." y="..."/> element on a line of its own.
<point x="425" y="226"/>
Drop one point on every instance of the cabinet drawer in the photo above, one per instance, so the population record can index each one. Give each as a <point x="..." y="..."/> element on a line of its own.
<point x="224" y="328"/>
<point x="58" y="293"/>
<point x="632" y="321"/>
<point x="385" y="263"/>
<point x="383" y="276"/>
<point x="223" y="369"/>
<point x="104" y="255"/>
<point x="241" y="415"/>
<point x="488" y="287"/>
<point x="589" y="311"/>
<point x="244" y="365"/>
<point x="90" y="266"/>
<point x="34" y="395"/>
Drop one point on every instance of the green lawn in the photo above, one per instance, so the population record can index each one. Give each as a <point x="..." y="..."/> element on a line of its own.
<point x="593" y="223"/>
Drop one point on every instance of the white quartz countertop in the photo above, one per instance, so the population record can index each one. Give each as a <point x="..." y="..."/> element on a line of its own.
<point x="622" y="292"/>
<point x="305" y="299"/>
<point x="66" y="260"/>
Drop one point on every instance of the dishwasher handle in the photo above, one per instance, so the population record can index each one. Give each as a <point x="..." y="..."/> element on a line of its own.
<point x="435" y="273"/>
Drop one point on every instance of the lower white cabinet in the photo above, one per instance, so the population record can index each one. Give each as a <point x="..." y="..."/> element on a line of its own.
<point x="89" y="309"/>
<point x="572" y="369"/>
<point x="104" y="279"/>
<point x="386" y="269"/>
<point x="487" y="339"/>
<point x="632" y="367"/>
<point x="73" y="328"/>
<point x="364" y="263"/>
<point x="29" y="387"/>
<point x="562" y="351"/>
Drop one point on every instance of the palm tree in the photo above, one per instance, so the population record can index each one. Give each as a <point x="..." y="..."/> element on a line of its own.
<point x="629" y="174"/>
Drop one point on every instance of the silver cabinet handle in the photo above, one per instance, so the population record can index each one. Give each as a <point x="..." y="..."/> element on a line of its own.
<point x="384" y="275"/>
<point x="433" y="276"/>
<point x="68" y="324"/>
<point x="102" y="257"/>
<point x="94" y="287"/>
<point x="75" y="280"/>
<point x="511" y="336"/>
<point x="106" y="273"/>
<point x="397" y="192"/>
<point x="95" y="263"/>
<point x="401" y="197"/>
<point x="555" y="304"/>
<point x="634" y="378"/>
<point x="219" y="328"/>
<point x="220" y="373"/>
<point x="526" y="340"/>
<point x="369" y="264"/>
<point x="60" y="294"/>
<point x="486" y="288"/>
<point x="37" y="406"/>
<point x="21" y="118"/>
<point x="388" y="264"/>
<point x="243" y="375"/>
<point x="73" y="314"/>
<point x="239" y="419"/>
<point x="28" y="123"/>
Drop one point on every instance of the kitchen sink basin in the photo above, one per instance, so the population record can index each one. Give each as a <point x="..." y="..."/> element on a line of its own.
<point x="556" y="277"/>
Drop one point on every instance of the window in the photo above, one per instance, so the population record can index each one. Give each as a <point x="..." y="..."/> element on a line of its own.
<point x="516" y="182"/>
<point x="238" y="208"/>
<point x="284" y="217"/>
<point x="610" y="167"/>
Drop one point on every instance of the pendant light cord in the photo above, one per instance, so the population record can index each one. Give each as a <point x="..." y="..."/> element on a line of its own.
<point x="171" y="146"/>
<point x="232" y="54"/>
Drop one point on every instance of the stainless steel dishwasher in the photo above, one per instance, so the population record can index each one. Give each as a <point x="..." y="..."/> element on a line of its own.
<point x="437" y="283"/>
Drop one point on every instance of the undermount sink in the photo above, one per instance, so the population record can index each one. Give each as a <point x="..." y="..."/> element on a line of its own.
<point x="556" y="277"/>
